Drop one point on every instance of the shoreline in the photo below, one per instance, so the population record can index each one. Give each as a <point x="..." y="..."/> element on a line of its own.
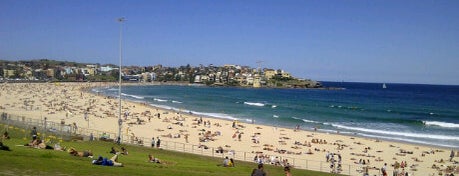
<point x="272" y="140"/>
<point x="326" y="131"/>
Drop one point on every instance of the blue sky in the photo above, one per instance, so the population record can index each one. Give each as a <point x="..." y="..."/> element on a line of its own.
<point x="345" y="40"/>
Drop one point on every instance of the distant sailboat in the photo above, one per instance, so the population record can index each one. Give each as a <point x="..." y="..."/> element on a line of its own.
<point x="384" y="86"/>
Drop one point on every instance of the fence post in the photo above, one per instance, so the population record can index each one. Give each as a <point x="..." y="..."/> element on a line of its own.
<point x="321" y="166"/>
<point x="349" y="169"/>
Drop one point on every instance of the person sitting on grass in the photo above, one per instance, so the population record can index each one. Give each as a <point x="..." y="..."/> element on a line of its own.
<point x="124" y="151"/>
<point x="5" y="135"/>
<point x="107" y="162"/>
<point x="4" y="147"/>
<point x="113" y="151"/>
<point x="259" y="171"/>
<point x="226" y="162"/>
<point x="152" y="159"/>
<point x="287" y="171"/>
<point x="231" y="163"/>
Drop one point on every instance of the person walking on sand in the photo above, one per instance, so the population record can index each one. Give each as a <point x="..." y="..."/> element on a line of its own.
<point x="384" y="169"/>
<point x="153" y="142"/>
<point x="451" y="156"/>
<point x="158" y="142"/>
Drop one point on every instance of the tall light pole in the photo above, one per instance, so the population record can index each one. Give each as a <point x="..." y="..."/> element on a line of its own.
<point x="120" y="121"/>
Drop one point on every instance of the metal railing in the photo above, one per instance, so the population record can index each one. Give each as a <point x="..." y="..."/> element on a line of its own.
<point x="66" y="131"/>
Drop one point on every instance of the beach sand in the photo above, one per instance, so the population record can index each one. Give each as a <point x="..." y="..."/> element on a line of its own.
<point x="70" y="102"/>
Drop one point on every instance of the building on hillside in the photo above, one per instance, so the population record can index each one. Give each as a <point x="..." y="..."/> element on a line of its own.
<point x="269" y="73"/>
<point x="49" y="73"/>
<point x="28" y="74"/>
<point x="8" y="73"/>
<point x="249" y="80"/>
<point x="205" y="78"/>
<point x="197" y="79"/>
<point x="256" y="81"/>
<point x="68" y="70"/>
<point x="285" y="74"/>
<point x="241" y="79"/>
<point x="106" y="69"/>
<point x="148" y="77"/>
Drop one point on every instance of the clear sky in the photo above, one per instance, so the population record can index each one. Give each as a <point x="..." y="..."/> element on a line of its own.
<point x="331" y="40"/>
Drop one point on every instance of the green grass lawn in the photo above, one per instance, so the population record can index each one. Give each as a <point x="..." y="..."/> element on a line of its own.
<point x="30" y="161"/>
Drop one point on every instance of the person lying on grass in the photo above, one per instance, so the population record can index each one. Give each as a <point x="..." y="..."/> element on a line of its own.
<point x="152" y="159"/>
<point x="38" y="143"/>
<point x="86" y="153"/>
<point x="107" y="162"/>
<point x="4" y="147"/>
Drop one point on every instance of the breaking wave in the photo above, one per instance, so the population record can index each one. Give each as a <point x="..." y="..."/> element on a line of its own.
<point x="254" y="104"/>
<point x="441" y="124"/>
<point x="133" y="96"/>
<point x="406" y="134"/>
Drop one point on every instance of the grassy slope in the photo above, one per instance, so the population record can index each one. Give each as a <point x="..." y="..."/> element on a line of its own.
<point x="29" y="161"/>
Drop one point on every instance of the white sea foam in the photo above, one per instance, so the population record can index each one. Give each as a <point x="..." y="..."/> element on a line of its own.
<point x="275" y="116"/>
<point x="163" y="106"/>
<point x="217" y="115"/>
<point x="96" y="90"/>
<point x="133" y="96"/>
<point x="406" y="134"/>
<point x="305" y="120"/>
<point x="296" y="118"/>
<point x="406" y="140"/>
<point x="309" y="121"/>
<point x="249" y="120"/>
<point x="274" y="106"/>
<point x="441" y="124"/>
<point x="254" y="104"/>
<point x="160" y="100"/>
<point x="179" y="102"/>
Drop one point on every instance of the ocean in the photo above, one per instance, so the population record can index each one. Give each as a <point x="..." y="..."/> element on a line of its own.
<point x="414" y="113"/>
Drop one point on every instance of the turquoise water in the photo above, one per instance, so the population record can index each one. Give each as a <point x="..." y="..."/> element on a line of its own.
<point x="425" y="114"/>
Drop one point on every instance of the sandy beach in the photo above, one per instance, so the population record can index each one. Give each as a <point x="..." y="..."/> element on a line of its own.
<point x="70" y="102"/>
